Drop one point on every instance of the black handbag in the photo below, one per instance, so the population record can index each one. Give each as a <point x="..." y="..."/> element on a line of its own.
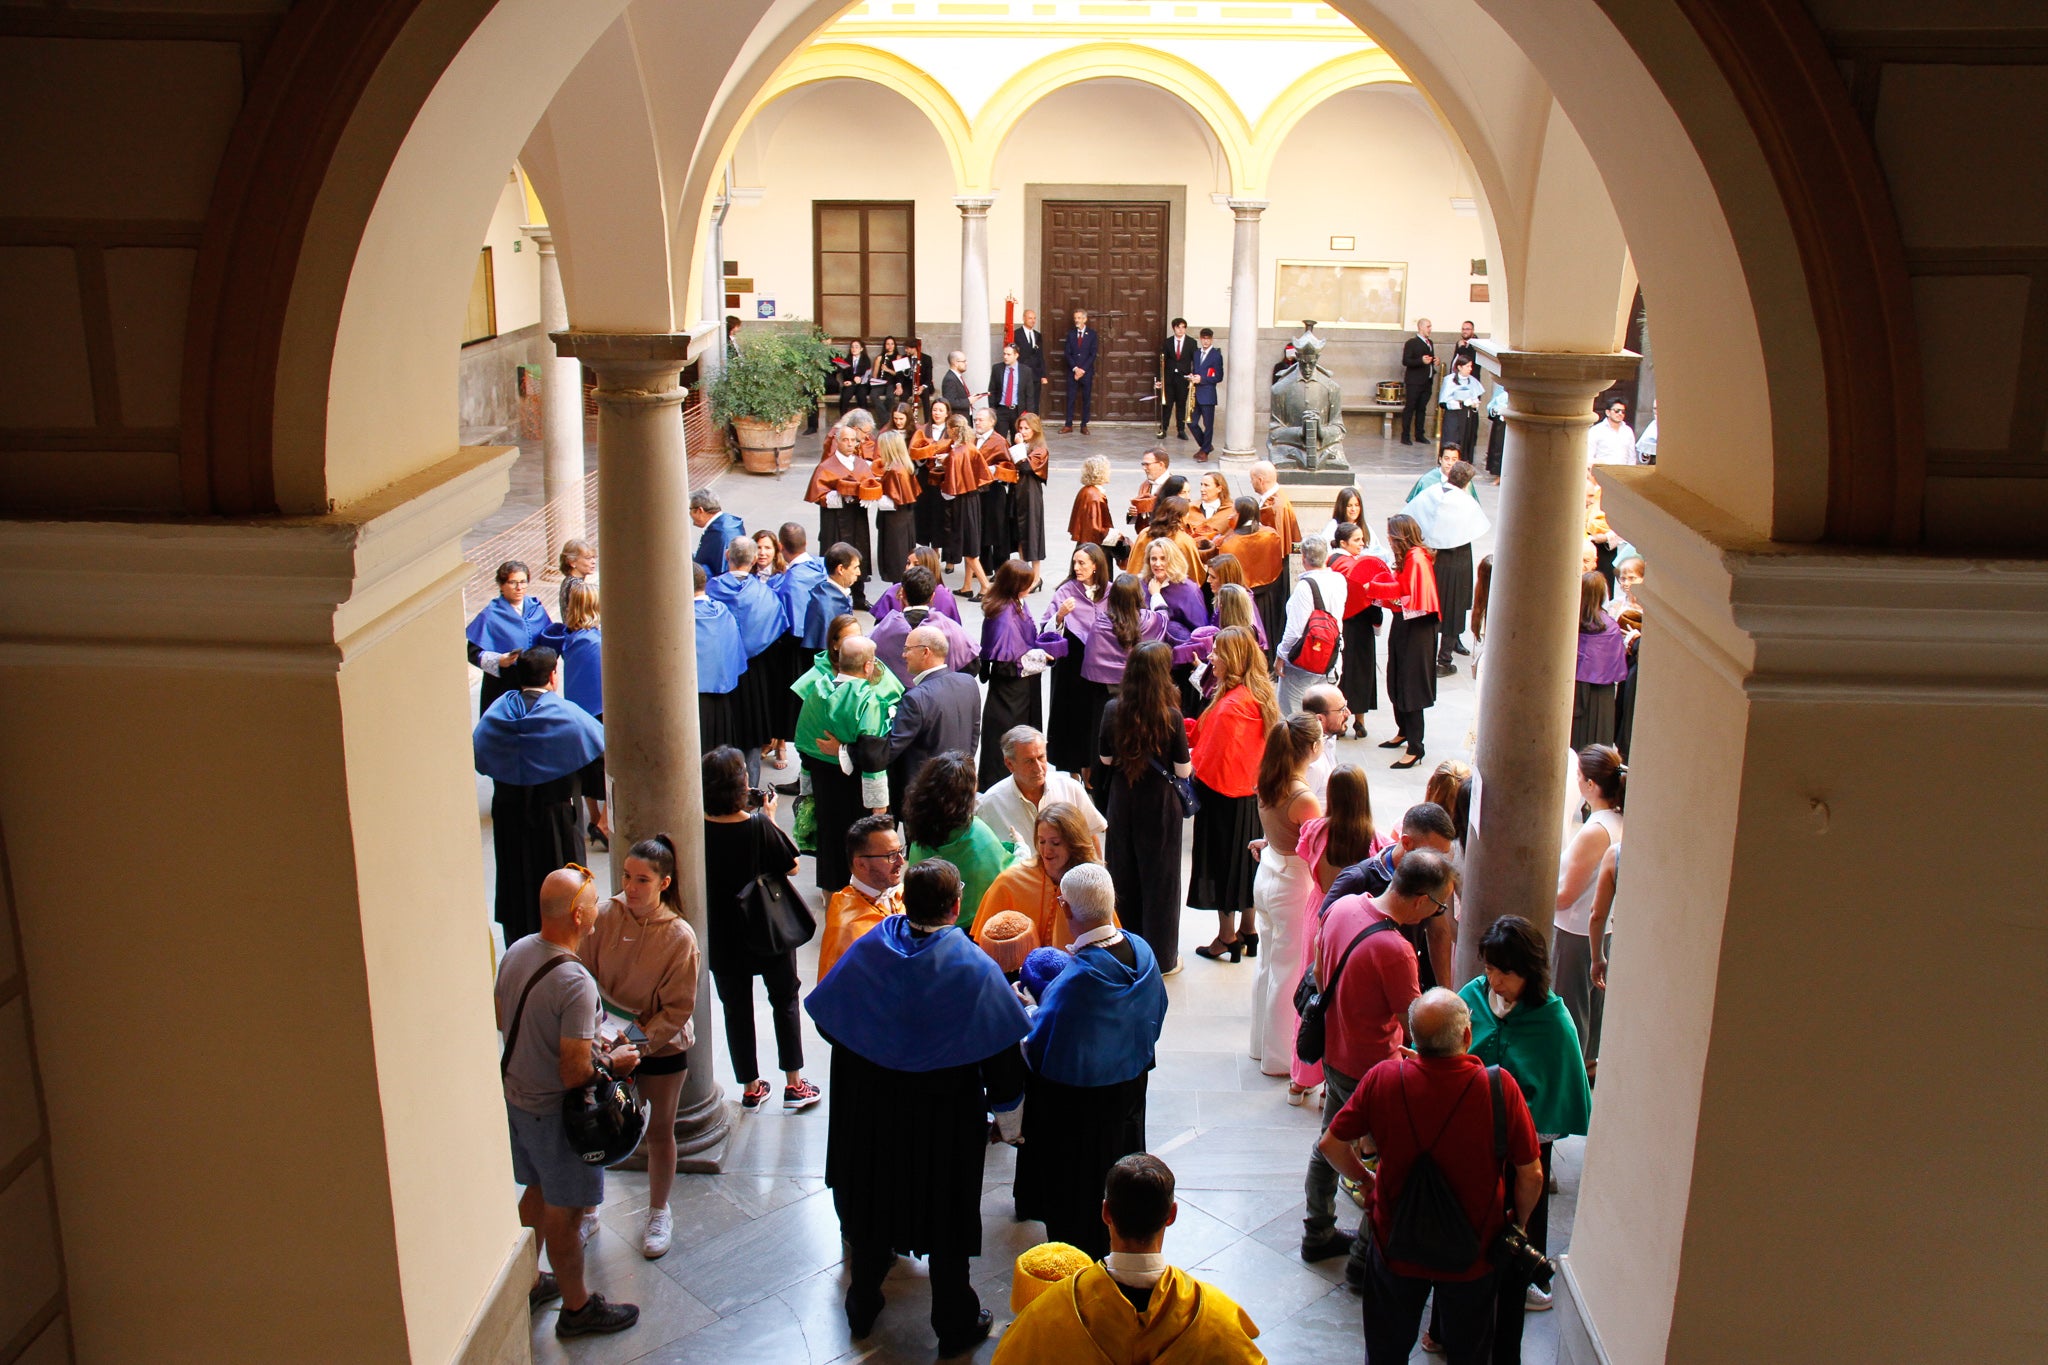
<point x="1183" y="787"/>
<point x="777" y="917"/>
<point x="1312" y="1002"/>
<point x="604" y="1118"/>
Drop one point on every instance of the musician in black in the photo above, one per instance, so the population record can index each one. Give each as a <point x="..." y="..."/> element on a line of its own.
<point x="1465" y="349"/>
<point x="1418" y="372"/>
<point x="1176" y="363"/>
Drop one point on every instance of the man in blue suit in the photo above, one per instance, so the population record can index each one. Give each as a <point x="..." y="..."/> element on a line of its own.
<point x="1079" y="358"/>
<point x="720" y="527"/>
<point x="1207" y="378"/>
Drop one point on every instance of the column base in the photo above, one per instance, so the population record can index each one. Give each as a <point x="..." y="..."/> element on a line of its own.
<point x="1578" y="1341"/>
<point x="1238" y="462"/>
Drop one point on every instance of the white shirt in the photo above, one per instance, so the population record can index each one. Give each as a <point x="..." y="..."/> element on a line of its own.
<point x="1002" y="807"/>
<point x="1577" y="918"/>
<point x="1646" y="444"/>
<point x="1611" y="444"/>
<point x="875" y="893"/>
<point x="1300" y="604"/>
<point x="1138" y="1269"/>
<point x="1101" y="933"/>
<point x="1317" y="773"/>
<point x="845" y="467"/>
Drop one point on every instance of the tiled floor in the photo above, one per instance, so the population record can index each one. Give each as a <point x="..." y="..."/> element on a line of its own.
<point x="755" y="1274"/>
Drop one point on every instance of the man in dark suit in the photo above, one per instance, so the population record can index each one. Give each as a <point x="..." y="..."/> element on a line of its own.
<point x="1206" y="373"/>
<point x="1077" y="356"/>
<point x="1030" y="344"/>
<point x="1012" y="387"/>
<point x="1177" y="362"/>
<point x="953" y="383"/>
<point x="1465" y="350"/>
<point x="941" y="711"/>
<point x="1418" y="374"/>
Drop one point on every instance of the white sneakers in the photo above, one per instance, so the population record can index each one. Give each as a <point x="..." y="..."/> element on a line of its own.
<point x="591" y="1223"/>
<point x="660" y="1229"/>
<point x="1535" y="1300"/>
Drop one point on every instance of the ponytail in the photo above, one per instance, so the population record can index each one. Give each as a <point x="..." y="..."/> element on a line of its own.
<point x="1601" y="765"/>
<point x="659" y="853"/>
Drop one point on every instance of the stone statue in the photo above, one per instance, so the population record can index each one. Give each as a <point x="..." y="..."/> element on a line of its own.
<point x="1306" y="425"/>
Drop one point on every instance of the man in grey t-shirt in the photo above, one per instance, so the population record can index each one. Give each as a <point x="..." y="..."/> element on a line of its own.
<point x="551" y="1051"/>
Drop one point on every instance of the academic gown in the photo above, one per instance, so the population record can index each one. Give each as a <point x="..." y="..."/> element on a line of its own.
<point x="1086" y="1319"/>
<point x="850" y="709"/>
<point x="1089" y="1051"/>
<point x="758" y="612"/>
<point x="541" y="753"/>
<point x="789" y="660"/>
<point x="908" y="1133"/>
<point x="499" y="629"/>
<point x="721" y="660"/>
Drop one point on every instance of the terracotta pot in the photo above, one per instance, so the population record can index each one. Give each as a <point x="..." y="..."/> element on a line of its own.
<point x="766" y="448"/>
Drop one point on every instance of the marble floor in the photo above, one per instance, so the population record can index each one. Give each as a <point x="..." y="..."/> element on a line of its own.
<point x="755" y="1274"/>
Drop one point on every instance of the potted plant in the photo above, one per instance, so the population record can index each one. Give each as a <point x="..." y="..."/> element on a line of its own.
<point x="766" y="391"/>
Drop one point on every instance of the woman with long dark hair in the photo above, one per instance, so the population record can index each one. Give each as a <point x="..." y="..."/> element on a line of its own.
<point x="1409" y="588"/>
<point x="1602" y="664"/>
<point x="1076" y="702"/>
<point x="741" y="844"/>
<point x="1229" y="738"/>
<point x="1521" y="1026"/>
<point x="1027" y="498"/>
<point x="1282" y="892"/>
<point x="1008" y="632"/>
<point x="1603" y="786"/>
<point x="1140" y="743"/>
<point x="939" y="821"/>
<point x="1115" y="627"/>
<point x="644" y="955"/>
<point x="1358" y="678"/>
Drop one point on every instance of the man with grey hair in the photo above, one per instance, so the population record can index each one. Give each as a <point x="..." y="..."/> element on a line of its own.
<point x="941" y="711"/>
<point x="1090" y="1049"/>
<point x="1439" y="1104"/>
<point x="720" y="527"/>
<point x="1319" y="651"/>
<point x="1011" y="806"/>
<point x="834" y="489"/>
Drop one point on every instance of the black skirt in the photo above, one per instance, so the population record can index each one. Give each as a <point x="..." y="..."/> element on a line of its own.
<point x="1496" y="444"/>
<point x="1460" y="426"/>
<point x="1223" y="868"/>
<point x="998" y="536"/>
<point x="895" y="537"/>
<point x="1072" y="1136"/>
<point x="535" y="830"/>
<point x="1360" y="679"/>
<point x="1593" y="714"/>
<point x="1141" y="849"/>
<point x="1076" y="714"/>
<point x="931" y="515"/>
<point x="1271" y="602"/>
<point x="1011" y="701"/>
<point x="754" y="702"/>
<point x="1411" y="663"/>
<point x="963" y="531"/>
<point x="1625" y="708"/>
<point x="718" y="719"/>
<point x="835" y="798"/>
<point x="903" y="1156"/>
<point x="784" y="662"/>
<point x="850" y="525"/>
<point x="1454" y="584"/>
<point x="1027" y="514"/>
<point x="495" y="686"/>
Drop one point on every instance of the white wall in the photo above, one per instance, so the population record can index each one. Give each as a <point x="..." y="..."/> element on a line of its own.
<point x="1370" y="164"/>
<point x="515" y="266"/>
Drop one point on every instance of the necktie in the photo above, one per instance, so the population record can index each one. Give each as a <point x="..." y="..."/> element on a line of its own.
<point x="1010" y="387"/>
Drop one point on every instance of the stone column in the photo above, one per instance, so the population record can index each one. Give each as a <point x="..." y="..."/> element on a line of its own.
<point x="561" y="405"/>
<point x="1241" y="352"/>
<point x="652" y="749"/>
<point x="974" y="337"/>
<point x="713" y="363"/>
<point x="1525" y="682"/>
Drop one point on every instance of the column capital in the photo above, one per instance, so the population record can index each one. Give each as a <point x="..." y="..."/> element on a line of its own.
<point x="1248" y="210"/>
<point x="974" y="205"/>
<point x="1554" y="385"/>
<point x="541" y="235"/>
<point x="642" y="365"/>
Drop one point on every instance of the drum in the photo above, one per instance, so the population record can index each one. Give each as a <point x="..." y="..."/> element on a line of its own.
<point x="1393" y="391"/>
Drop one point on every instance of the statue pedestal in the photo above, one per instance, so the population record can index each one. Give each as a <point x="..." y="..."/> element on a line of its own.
<point x="1293" y="476"/>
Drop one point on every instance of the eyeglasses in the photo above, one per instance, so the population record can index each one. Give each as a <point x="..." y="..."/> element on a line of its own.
<point x="894" y="855"/>
<point x="1440" y="905"/>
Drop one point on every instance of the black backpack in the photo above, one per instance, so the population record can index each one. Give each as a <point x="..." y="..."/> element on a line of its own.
<point x="1312" y="1002"/>
<point x="1429" y="1226"/>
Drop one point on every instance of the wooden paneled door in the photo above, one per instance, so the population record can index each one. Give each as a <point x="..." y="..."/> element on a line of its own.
<point x="1110" y="258"/>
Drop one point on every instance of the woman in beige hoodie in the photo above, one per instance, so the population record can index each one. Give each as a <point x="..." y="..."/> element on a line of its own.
<point x="644" y="956"/>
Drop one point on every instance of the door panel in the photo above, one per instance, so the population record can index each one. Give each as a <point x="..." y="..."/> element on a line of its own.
<point x="1110" y="258"/>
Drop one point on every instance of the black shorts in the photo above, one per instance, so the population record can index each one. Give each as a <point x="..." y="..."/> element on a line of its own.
<point x="671" y="1065"/>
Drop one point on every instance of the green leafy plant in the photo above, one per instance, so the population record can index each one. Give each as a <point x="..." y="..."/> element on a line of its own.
<point x="774" y="378"/>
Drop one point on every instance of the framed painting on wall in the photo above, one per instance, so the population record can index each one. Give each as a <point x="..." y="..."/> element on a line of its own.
<point x="1362" y="294"/>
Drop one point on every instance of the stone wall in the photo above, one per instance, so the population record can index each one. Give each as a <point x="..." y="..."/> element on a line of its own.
<point x="489" y="384"/>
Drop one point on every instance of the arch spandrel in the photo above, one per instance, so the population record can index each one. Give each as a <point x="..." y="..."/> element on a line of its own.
<point x="853" y="61"/>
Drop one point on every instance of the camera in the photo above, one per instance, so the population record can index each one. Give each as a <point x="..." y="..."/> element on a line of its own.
<point x="757" y="797"/>
<point x="1515" y="1256"/>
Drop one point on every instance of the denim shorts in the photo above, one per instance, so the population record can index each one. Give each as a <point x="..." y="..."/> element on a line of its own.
<point x="542" y="1157"/>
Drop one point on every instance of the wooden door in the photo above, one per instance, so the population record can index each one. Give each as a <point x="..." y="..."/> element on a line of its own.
<point x="1110" y="258"/>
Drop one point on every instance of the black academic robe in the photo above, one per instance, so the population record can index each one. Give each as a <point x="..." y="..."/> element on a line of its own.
<point x="536" y="830"/>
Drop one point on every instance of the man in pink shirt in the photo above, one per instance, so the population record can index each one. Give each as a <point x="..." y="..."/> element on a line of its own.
<point x="1367" y="1013"/>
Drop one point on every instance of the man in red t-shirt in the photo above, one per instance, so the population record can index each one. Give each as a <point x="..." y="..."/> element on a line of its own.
<point x="1362" y="1027"/>
<point x="1439" y="1103"/>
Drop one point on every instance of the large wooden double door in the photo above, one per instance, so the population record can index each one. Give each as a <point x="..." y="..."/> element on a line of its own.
<point x="1110" y="258"/>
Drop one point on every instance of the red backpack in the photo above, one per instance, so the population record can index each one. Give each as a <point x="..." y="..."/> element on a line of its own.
<point x="1317" y="648"/>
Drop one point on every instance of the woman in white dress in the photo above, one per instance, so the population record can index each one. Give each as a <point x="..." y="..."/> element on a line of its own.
<point x="1283" y="891"/>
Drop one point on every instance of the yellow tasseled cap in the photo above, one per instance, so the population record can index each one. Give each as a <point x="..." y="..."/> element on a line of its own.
<point x="1042" y="1267"/>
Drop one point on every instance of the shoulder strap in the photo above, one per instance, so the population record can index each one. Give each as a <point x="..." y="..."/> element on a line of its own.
<point x="1500" y="1117"/>
<point x="1363" y="934"/>
<point x="1315" y="592"/>
<point x="519" y="1010"/>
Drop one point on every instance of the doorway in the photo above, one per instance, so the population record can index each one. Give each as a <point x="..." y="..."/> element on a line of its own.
<point x="1110" y="257"/>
